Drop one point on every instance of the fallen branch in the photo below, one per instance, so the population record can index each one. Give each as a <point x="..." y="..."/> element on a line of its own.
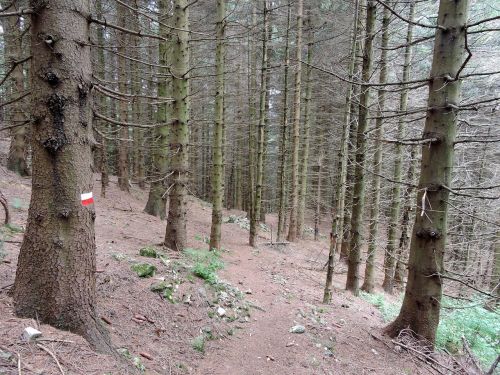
<point x="53" y="357"/>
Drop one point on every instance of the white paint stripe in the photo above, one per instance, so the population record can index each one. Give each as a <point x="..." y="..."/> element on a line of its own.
<point x="86" y="196"/>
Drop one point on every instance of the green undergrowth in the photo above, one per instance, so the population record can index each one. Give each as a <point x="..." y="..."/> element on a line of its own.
<point x="469" y="319"/>
<point x="205" y="264"/>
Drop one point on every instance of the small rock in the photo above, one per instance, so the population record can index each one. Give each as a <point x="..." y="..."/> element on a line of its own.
<point x="5" y="355"/>
<point x="328" y="353"/>
<point x="187" y="299"/>
<point x="374" y="352"/>
<point x="30" y="334"/>
<point x="221" y="311"/>
<point x="223" y="295"/>
<point x="298" y="329"/>
<point x="249" y="291"/>
<point x="202" y="292"/>
<point x="398" y="349"/>
<point x="342" y="322"/>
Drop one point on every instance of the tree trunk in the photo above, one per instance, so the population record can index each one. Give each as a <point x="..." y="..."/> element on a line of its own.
<point x="255" y="212"/>
<point x="123" y="147"/>
<point x="294" y="206"/>
<point x="390" y="253"/>
<point x="156" y="204"/>
<point x="282" y="185"/>
<point x="176" y="236"/>
<point x="354" y="258"/>
<point x="307" y="128"/>
<point x="336" y="236"/>
<point x="369" y="282"/>
<point x="421" y="304"/>
<point x="18" y="149"/>
<point x="55" y="278"/>
<point x="218" y="139"/>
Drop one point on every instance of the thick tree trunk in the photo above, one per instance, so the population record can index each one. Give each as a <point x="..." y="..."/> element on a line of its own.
<point x="369" y="282"/>
<point x="218" y="138"/>
<point x="55" y="278"/>
<point x="294" y="204"/>
<point x="255" y="212"/>
<point x="421" y="304"/>
<point x="390" y="252"/>
<point x="176" y="236"/>
<point x="354" y="258"/>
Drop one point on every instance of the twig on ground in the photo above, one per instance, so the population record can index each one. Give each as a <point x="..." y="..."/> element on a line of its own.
<point x="45" y="349"/>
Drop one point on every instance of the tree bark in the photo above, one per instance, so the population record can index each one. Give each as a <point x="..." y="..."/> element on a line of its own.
<point x="218" y="137"/>
<point x="294" y="205"/>
<point x="176" y="236"/>
<point x="354" y="258"/>
<point x="422" y="300"/>
<point x="55" y="278"/>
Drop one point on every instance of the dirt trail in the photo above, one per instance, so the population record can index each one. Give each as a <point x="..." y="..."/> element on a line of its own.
<point x="285" y="284"/>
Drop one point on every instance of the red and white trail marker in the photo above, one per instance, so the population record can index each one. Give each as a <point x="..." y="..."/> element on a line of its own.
<point x="87" y="199"/>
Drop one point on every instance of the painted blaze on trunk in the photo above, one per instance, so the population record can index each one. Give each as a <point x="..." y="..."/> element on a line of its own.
<point x="421" y="304"/>
<point x="55" y="279"/>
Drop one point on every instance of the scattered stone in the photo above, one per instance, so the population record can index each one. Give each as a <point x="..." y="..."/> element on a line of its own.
<point x="398" y="349"/>
<point x="289" y="344"/>
<point x="144" y="269"/>
<point x="248" y="291"/>
<point x="187" y="299"/>
<point x="328" y="353"/>
<point x="202" y="292"/>
<point x="119" y="257"/>
<point x="298" y="329"/>
<point x="30" y="334"/>
<point x="160" y="287"/>
<point x="148" y="252"/>
<point x="342" y="322"/>
<point x="221" y="311"/>
<point x="374" y="352"/>
<point x="5" y="355"/>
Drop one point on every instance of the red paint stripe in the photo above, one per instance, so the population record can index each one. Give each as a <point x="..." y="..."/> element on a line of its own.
<point x="87" y="202"/>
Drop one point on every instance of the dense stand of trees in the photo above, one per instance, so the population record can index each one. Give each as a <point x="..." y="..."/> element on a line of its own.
<point x="319" y="111"/>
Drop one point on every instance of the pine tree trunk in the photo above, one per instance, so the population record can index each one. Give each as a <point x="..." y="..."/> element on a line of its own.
<point x="176" y="236"/>
<point x="123" y="147"/>
<point x="55" y="278"/>
<point x="18" y="149"/>
<point x="255" y="212"/>
<point x="336" y="236"/>
<point x="282" y="185"/>
<point x="307" y="128"/>
<point x="369" y="282"/>
<point x="218" y="139"/>
<point x="294" y="205"/>
<point x="156" y="204"/>
<point x="390" y="252"/>
<point x="354" y="258"/>
<point x="421" y="304"/>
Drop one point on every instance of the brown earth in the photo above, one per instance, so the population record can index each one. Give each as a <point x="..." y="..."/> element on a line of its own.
<point x="282" y="285"/>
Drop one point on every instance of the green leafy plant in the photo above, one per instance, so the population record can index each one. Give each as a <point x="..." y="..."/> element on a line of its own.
<point x="206" y="264"/>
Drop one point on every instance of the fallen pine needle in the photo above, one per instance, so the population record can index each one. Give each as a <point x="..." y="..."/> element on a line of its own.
<point x="53" y="357"/>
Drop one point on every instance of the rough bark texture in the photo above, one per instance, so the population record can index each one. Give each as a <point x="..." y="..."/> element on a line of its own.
<point x="255" y="215"/>
<point x="55" y="278"/>
<point x="176" y="236"/>
<point x="218" y="138"/>
<point x="369" y="281"/>
<point x="354" y="258"/>
<point x="421" y="304"/>
<point x="294" y="204"/>
<point x="390" y="251"/>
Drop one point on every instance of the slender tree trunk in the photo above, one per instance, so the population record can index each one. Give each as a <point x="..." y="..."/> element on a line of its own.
<point x="356" y="229"/>
<point x="390" y="252"/>
<point x="255" y="212"/>
<point x="156" y="204"/>
<point x="123" y="147"/>
<point x="294" y="206"/>
<point x="55" y="278"/>
<point x="282" y="185"/>
<point x="176" y="236"/>
<point x="218" y="139"/>
<point x="421" y="304"/>
<point x="369" y="282"/>
<point x="317" y="211"/>
<point x="307" y="128"/>
<point x="336" y="236"/>
<point x="18" y="150"/>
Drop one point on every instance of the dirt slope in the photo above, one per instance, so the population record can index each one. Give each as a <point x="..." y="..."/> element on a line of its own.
<point x="283" y="285"/>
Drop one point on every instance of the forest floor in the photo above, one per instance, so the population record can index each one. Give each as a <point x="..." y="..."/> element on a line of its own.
<point x="263" y="291"/>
